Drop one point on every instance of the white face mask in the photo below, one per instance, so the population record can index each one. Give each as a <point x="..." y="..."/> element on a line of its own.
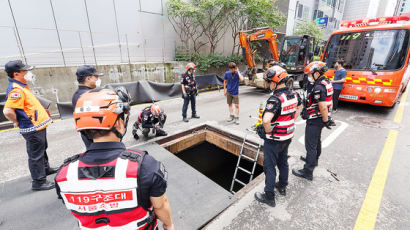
<point x="29" y="76"/>
<point x="311" y="80"/>
<point x="98" y="83"/>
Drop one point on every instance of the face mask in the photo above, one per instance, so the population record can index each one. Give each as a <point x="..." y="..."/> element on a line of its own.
<point x="98" y="83"/>
<point x="311" y="80"/>
<point x="29" y="76"/>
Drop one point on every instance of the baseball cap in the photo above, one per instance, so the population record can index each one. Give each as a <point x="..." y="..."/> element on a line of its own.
<point x="16" y="66"/>
<point x="87" y="70"/>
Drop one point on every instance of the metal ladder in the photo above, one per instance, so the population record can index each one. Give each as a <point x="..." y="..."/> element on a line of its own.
<point x="241" y="155"/>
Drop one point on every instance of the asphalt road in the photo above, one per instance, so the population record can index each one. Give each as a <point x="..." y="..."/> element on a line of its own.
<point x="352" y="151"/>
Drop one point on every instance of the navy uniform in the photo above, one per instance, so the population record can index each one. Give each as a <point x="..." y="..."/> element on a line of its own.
<point x="189" y="84"/>
<point x="151" y="117"/>
<point x="322" y="91"/>
<point x="283" y="104"/>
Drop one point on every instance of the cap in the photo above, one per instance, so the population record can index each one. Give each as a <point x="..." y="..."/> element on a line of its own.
<point x="16" y="65"/>
<point x="87" y="70"/>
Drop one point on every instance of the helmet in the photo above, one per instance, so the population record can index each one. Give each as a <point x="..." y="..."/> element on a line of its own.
<point x="155" y="110"/>
<point x="280" y="64"/>
<point x="275" y="74"/>
<point x="100" y="108"/>
<point x="190" y="65"/>
<point x="316" y="66"/>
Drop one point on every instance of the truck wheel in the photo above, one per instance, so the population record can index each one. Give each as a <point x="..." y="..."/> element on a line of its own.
<point x="289" y="83"/>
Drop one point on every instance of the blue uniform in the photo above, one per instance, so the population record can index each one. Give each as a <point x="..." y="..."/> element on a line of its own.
<point x="232" y="86"/>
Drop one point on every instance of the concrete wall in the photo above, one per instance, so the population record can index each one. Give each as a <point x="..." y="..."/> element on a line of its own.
<point x="59" y="83"/>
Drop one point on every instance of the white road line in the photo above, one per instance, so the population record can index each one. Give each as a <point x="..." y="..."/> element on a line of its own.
<point x="301" y="121"/>
<point x="333" y="135"/>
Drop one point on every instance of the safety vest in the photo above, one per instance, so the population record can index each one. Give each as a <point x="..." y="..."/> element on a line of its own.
<point x="108" y="202"/>
<point x="313" y="108"/>
<point x="284" y="125"/>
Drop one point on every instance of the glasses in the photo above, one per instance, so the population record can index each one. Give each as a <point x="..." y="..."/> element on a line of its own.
<point x="232" y="67"/>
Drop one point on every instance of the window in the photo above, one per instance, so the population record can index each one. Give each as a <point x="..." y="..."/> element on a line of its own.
<point x="306" y="12"/>
<point x="329" y="2"/>
<point x="300" y="11"/>
<point x="320" y="14"/>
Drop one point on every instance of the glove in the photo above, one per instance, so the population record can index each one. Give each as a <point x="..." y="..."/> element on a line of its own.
<point x="260" y="130"/>
<point x="329" y="123"/>
<point x="304" y="114"/>
<point x="184" y="95"/>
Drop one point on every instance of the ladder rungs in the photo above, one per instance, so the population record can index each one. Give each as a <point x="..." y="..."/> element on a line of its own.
<point x="248" y="158"/>
<point x="240" y="182"/>
<point x="247" y="171"/>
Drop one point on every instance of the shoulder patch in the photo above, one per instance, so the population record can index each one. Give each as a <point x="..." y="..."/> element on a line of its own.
<point x="15" y="95"/>
<point x="269" y="106"/>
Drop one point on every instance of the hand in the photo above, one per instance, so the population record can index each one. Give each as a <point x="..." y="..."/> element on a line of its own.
<point x="328" y="123"/>
<point x="260" y="130"/>
<point x="184" y="95"/>
<point x="224" y="92"/>
<point x="16" y="124"/>
<point x="166" y="227"/>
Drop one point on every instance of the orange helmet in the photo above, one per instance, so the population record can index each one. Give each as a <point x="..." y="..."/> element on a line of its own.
<point x="155" y="110"/>
<point x="316" y="66"/>
<point x="275" y="74"/>
<point x="190" y="65"/>
<point x="100" y="108"/>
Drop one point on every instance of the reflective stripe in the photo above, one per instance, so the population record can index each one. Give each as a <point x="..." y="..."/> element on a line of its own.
<point x="37" y="127"/>
<point x="285" y="122"/>
<point x="313" y="109"/>
<point x="365" y="80"/>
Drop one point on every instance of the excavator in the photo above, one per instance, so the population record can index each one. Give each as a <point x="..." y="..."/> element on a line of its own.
<point x="296" y="53"/>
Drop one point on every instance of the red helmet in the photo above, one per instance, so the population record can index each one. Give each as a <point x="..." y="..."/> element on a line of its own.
<point x="100" y="108"/>
<point x="275" y="74"/>
<point x="316" y="66"/>
<point x="190" y="65"/>
<point x="155" y="110"/>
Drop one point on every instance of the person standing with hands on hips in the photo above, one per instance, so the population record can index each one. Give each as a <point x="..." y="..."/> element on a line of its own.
<point x="282" y="109"/>
<point x="25" y="111"/>
<point x="189" y="91"/>
<point x="338" y="81"/>
<point x="231" y="91"/>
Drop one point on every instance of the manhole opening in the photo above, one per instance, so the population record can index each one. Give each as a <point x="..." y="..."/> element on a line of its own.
<point x="214" y="153"/>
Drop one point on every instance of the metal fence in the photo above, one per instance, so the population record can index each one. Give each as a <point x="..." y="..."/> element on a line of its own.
<point x="122" y="31"/>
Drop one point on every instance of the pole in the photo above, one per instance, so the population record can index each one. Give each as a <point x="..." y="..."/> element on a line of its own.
<point x="128" y="50"/>
<point x="118" y="30"/>
<point x="17" y="31"/>
<point x="81" y="44"/>
<point x="91" y="33"/>
<point x="17" y="41"/>
<point x="58" y="33"/>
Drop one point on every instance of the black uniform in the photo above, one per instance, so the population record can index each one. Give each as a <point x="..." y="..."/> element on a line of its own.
<point x="80" y="91"/>
<point x="148" y="121"/>
<point x="152" y="175"/>
<point x="188" y="81"/>
<point x="276" y="152"/>
<point x="313" y="130"/>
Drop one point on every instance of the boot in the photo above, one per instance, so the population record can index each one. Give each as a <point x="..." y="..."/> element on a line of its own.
<point x="304" y="159"/>
<point x="195" y="116"/>
<point x="46" y="185"/>
<point x="281" y="189"/>
<point x="185" y="119"/>
<point x="231" y="118"/>
<point x="50" y="171"/>
<point x="302" y="173"/>
<point x="261" y="197"/>
<point x="161" y="132"/>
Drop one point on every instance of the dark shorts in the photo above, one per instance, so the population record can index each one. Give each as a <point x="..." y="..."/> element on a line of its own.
<point x="232" y="98"/>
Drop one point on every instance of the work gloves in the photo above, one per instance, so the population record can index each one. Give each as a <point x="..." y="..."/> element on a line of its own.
<point x="330" y="122"/>
<point x="260" y="130"/>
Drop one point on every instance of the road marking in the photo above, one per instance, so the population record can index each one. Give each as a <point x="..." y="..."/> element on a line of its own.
<point x="399" y="114"/>
<point x="371" y="204"/>
<point x="332" y="136"/>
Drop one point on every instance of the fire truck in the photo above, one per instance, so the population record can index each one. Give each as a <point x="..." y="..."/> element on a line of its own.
<point x="376" y="56"/>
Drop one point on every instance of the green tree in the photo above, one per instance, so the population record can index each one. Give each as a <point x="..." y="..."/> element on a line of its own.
<point x="262" y="13"/>
<point x="310" y="28"/>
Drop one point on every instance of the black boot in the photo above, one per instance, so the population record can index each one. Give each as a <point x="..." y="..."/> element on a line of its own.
<point x="302" y="173"/>
<point x="195" y="116"/>
<point x="281" y="189"/>
<point x="304" y="159"/>
<point x="261" y="197"/>
<point x="160" y="132"/>
<point x="50" y="171"/>
<point x="46" y="185"/>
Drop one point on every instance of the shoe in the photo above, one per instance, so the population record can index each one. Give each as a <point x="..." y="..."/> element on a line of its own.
<point x="50" y="171"/>
<point x="195" y="116"/>
<point x="231" y="118"/>
<point x="236" y="120"/>
<point x="281" y="189"/>
<point x="185" y="119"/>
<point x="304" y="159"/>
<point x="301" y="173"/>
<point x="47" y="185"/>
<point x="261" y="197"/>
<point x="161" y="132"/>
<point x="334" y="111"/>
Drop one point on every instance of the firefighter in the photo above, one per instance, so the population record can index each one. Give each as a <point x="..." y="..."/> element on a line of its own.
<point x="148" y="119"/>
<point x="189" y="91"/>
<point x="109" y="186"/>
<point x="317" y="113"/>
<point x="282" y="108"/>
<point x="26" y="112"/>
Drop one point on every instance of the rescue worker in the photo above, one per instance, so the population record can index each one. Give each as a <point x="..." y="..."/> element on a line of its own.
<point x="25" y="111"/>
<point x="189" y="91"/>
<point x="88" y="78"/>
<point x="109" y="186"/>
<point x="317" y="113"/>
<point x="278" y="126"/>
<point x="148" y="119"/>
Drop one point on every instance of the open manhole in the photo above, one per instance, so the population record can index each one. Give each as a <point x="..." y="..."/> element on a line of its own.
<point x="214" y="153"/>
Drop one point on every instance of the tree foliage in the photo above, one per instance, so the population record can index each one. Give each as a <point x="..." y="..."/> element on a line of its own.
<point x="310" y="28"/>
